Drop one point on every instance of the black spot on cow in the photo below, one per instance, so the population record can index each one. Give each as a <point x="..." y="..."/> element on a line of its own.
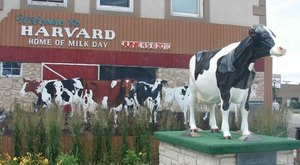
<point x="65" y="96"/>
<point x="50" y="88"/>
<point x="183" y="91"/>
<point x="69" y="85"/>
<point x="203" y="60"/>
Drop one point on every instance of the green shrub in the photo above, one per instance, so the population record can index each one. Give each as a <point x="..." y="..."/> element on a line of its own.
<point x="97" y="148"/>
<point x="108" y="152"/>
<point x="66" y="159"/>
<point x="17" y="131"/>
<point x="124" y="133"/>
<point x="42" y="136"/>
<point x="77" y="144"/>
<point x="131" y="158"/>
<point x="142" y="136"/>
<point x="166" y="120"/>
<point x="268" y="122"/>
<point x="30" y="133"/>
<point x="54" y="122"/>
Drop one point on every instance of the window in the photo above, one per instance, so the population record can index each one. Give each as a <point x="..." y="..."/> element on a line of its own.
<point x="134" y="73"/>
<point x="11" y="69"/>
<point x="187" y="8"/>
<point x="115" y="5"/>
<point x="1" y="4"/>
<point x="294" y="99"/>
<point x="62" y="3"/>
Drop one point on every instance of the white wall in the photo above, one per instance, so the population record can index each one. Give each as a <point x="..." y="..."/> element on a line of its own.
<point x="234" y="12"/>
<point x="7" y="6"/>
<point x="153" y="9"/>
<point x="82" y="6"/>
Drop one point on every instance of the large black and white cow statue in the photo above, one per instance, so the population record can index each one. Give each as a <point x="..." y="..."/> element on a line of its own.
<point x="225" y="76"/>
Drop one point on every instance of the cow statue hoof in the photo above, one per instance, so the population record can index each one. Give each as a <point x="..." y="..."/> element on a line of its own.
<point x="227" y="137"/>
<point x="192" y="132"/>
<point x="245" y="133"/>
<point x="195" y="130"/>
<point x="215" y="130"/>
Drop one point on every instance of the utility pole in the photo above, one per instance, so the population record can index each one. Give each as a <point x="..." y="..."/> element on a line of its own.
<point x="274" y="90"/>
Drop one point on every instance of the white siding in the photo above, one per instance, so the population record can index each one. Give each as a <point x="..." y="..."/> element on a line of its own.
<point x="233" y="12"/>
<point x="7" y="6"/>
<point x="82" y="6"/>
<point x="153" y="9"/>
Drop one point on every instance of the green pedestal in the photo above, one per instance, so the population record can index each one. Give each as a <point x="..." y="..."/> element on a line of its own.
<point x="212" y="143"/>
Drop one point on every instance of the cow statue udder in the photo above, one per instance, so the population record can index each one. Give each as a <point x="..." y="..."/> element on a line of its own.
<point x="225" y="76"/>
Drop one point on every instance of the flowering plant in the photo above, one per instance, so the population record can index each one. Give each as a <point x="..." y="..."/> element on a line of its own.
<point x="28" y="159"/>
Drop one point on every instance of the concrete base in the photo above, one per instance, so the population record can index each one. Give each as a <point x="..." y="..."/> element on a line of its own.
<point x="209" y="149"/>
<point x="170" y="154"/>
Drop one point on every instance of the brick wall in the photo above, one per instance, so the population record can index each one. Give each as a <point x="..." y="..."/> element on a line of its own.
<point x="170" y="154"/>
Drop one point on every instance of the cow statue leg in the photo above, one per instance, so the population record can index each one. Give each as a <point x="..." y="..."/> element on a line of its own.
<point x="192" y="123"/>
<point x="115" y="115"/>
<point x="244" y="124"/>
<point x="236" y="113"/>
<point x="212" y="119"/>
<point x="225" y="124"/>
<point x="115" y="111"/>
<point x="225" y="113"/>
<point x="185" y="109"/>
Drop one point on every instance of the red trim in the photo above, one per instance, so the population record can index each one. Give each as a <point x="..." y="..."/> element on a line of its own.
<point x="39" y="55"/>
<point x="70" y="71"/>
<point x="259" y="65"/>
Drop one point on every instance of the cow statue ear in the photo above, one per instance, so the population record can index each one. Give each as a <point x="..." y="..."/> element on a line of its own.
<point x="252" y="33"/>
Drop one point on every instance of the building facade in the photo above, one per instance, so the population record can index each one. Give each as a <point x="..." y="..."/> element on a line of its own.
<point x="288" y="93"/>
<point x="105" y="40"/>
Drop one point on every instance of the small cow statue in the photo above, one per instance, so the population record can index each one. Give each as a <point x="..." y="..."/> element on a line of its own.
<point x="225" y="76"/>
<point x="147" y="95"/>
<point x="181" y="95"/>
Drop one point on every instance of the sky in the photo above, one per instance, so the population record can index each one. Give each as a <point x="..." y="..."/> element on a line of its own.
<point x="283" y="18"/>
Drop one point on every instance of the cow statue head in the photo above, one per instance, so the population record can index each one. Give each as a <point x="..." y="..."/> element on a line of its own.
<point x="265" y="42"/>
<point x="29" y="86"/>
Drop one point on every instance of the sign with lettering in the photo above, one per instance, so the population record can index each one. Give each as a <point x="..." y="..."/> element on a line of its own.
<point x="146" y="45"/>
<point x="260" y="158"/>
<point x="46" y="32"/>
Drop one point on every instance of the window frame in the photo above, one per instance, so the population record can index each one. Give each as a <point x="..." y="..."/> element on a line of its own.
<point x="129" y="9"/>
<point x="12" y="75"/>
<point x="47" y="3"/>
<point x="181" y="14"/>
